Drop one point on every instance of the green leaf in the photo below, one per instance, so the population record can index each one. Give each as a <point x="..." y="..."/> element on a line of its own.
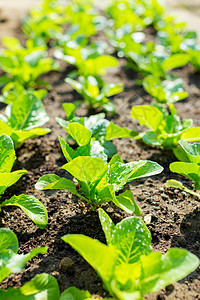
<point x="69" y="109"/>
<point x="149" y="116"/>
<point x="88" y="170"/>
<point x="191" y="134"/>
<point x="192" y="151"/>
<point x="11" y="262"/>
<point x="175" y="61"/>
<point x="8" y="179"/>
<point x="19" y="137"/>
<point x="8" y="240"/>
<point x="27" y="113"/>
<point x="151" y="138"/>
<point x="101" y="257"/>
<point x="52" y="181"/>
<point x="131" y="239"/>
<point x="72" y="293"/>
<point x="4" y="80"/>
<point x="178" y="185"/>
<point x="128" y="203"/>
<point x="189" y="170"/>
<point x="79" y="133"/>
<point x="113" y="131"/>
<point x="148" y="168"/>
<point x="41" y="287"/>
<point x="160" y="270"/>
<point x="121" y="173"/>
<point x="6" y="63"/>
<point x="35" y="210"/>
<point x="7" y="154"/>
<point x="109" y="149"/>
<point x="68" y="152"/>
<point x="112" y="89"/>
<point x="107" y="225"/>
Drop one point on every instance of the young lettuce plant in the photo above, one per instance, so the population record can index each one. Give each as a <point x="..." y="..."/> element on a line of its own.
<point x="10" y="261"/>
<point x="14" y="91"/>
<point x="189" y="166"/>
<point x="98" y="182"/>
<point x="128" y="267"/>
<point x="167" y="91"/>
<point x="24" y="65"/>
<point x="29" y="204"/>
<point x="166" y="127"/>
<point x="44" y="22"/>
<point x="89" y="61"/>
<point x="42" y="286"/>
<point x="92" y="134"/>
<point x="23" y="117"/>
<point x="94" y="96"/>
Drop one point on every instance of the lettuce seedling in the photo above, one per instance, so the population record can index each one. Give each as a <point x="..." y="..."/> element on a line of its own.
<point x="93" y="95"/>
<point x="89" y="134"/>
<point x="14" y="91"/>
<point x="98" y="182"/>
<point x="166" y="91"/>
<point x="10" y="261"/>
<point x="41" y="287"/>
<point x="23" y="117"/>
<point x="24" y="65"/>
<point x="173" y="38"/>
<point x="166" y="127"/>
<point x="128" y="267"/>
<point x="29" y="204"/>
<point x="45" y="21"/>
<point x="189" y="166"/>
<point x="92" y="134"/>
<point x="89" y="61"/>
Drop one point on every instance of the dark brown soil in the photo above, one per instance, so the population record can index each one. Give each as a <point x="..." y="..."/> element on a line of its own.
<point x="175" y="215"/>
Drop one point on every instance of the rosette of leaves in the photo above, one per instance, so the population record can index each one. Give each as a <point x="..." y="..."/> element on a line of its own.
<point x="92" y="134"/>
<point x="93" y="94"/>
<point x="24" y="116"/>
<point x="24" y="65"/>
<point x="29" y="204"/>
<point x="99" y="182"/>
<point x="127" y="266"/>
<point x="166" y="127"/>
<point x="188" y="166"/>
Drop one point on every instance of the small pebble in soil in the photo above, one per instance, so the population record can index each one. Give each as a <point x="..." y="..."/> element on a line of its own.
<point x="66" y="264"/>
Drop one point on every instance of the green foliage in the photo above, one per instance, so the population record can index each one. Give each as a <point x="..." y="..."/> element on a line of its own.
<point x="88" y="133"/>
<point x="13" y="91"/>
<point x="10" y="261"/>
<point x="166" y="127"/>
<point x="32" y="60"/>
<point x="189" y="166"/>
<point x="41" y="287"/>
<point x="93" y="95"/>
<point x="128" y="267"/>
<point x="188" y="152"/>
<point x="29" y="204"/>
<point x="89" y="60"/>
<point x="98" y="182"/>
<point x="24" y="116"/>
<point x="166" y="91"/>
<point x="94" y="134"/>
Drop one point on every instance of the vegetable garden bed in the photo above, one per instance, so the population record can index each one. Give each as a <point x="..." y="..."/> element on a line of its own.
<point x="171" y="215"/>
